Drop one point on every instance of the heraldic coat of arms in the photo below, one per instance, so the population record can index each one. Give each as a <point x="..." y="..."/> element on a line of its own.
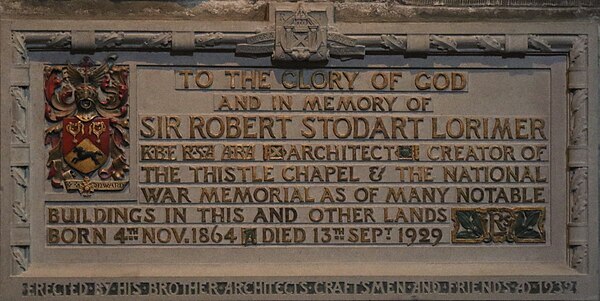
<point x="86" y="108"/>
<point x="301" y="35"/>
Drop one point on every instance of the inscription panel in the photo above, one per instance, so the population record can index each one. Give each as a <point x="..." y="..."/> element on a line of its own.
<point x="332" y="166"/>
<point x="361" y="157"/>
<point x="408" y="158"/>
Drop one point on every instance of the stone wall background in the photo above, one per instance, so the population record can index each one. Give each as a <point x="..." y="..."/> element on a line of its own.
<point x="346" y="10"/>
<point x="515" y="3"/>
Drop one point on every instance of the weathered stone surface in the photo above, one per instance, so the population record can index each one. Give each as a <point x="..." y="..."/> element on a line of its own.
<point x="346" y="11"/>
<point x="279" y="150"/>
<point x="506" y="3"/>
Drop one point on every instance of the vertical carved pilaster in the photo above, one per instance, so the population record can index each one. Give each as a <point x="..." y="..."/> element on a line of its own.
<point x="578" y="163"/>
<point x="19" y="164"/>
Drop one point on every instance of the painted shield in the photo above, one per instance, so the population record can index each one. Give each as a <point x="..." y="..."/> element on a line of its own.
<point x="85" y="145"/>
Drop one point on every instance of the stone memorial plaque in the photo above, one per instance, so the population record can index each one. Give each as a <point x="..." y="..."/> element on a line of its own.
<point x="298" y="158"/>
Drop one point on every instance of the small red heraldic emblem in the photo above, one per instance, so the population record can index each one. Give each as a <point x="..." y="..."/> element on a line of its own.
<point x="85" y="146"/>
<point x="86" y="106"/>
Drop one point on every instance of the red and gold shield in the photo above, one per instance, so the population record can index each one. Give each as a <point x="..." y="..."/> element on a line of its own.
<point x="85" y="145"/>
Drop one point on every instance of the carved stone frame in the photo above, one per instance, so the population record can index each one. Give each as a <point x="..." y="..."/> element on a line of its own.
<point x="575" y="41"/>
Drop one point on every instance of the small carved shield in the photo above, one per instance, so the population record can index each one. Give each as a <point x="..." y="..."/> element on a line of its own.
<point x="301" y="35"/>
<point x="85" y="145"/>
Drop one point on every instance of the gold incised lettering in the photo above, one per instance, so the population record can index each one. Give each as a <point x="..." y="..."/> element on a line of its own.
<point x="318" y="155"/>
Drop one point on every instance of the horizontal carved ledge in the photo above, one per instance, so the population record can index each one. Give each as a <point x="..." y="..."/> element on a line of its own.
<point x="263" y="43"/>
